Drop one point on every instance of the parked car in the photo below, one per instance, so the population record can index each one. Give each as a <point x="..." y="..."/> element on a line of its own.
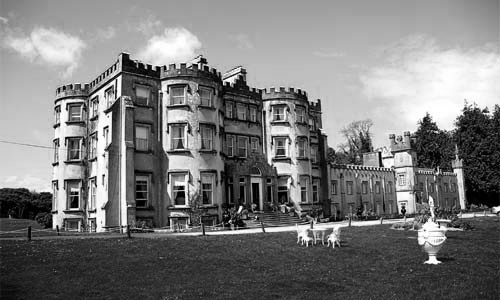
<point x="496" y="210"/>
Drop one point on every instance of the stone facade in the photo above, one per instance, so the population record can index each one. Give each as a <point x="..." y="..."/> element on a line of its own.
<point x="145" y="144"/>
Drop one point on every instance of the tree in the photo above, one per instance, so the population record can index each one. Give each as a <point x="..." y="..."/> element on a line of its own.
<point x="434" y="146"/>
<point x="477" y="136"/>
<point x="358" y="141"/>
<point x="21" y="203"/>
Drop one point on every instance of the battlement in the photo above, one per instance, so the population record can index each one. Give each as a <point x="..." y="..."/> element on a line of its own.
<point x="401" y="143"/>
<point x="361" y="168"/>
<point x="242" y="87"/>
<point x="437" y="172"/>
<point x="72" y="90"/>
<point x="284" y="93"/>
<point x="315" y="105"/>
<point x="193" y="70"/>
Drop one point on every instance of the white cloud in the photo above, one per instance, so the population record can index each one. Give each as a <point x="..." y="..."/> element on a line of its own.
<point x="174" y="45"/>
<point x="106" y="33"/>
<point x="4" y="20"/>
<point x="27" y="181"/>
<point x="328" y="53"/>
<point x="48" y="46"/>
<point x="418" y="76"/>
<point x="149" y="26"/>
<point x="243" y="41"/>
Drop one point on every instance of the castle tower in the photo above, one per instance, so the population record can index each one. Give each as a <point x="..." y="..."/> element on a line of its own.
<point x="193" y="125"/>
<point x="70" y="156"/>
<point x="405" y="161"/>
<point x="458" y="169"/>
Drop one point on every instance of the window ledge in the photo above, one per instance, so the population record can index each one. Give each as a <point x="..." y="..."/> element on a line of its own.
<point x="181" y="151"/>
<point x="94" y="118"/>
<point x="73" y="211"/>
<point x="93" y="159"/>
<point x="284" y="159"/>
<point x="54" y="212"/>
<point x="81" y="123"/>
<point x="178" y="106"/>
<point x="91" y="210"/>
<point x="55" y="163"/>
<point x="56" y="125"/>
<point x="73" y="161"/>
<point x="303" y="158"/>
<point x="282" y="123"/>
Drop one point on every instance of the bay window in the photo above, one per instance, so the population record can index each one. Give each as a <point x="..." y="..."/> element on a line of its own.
<point x="75" y="113"/>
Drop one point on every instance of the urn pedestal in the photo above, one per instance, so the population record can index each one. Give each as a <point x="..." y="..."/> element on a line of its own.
<point x="431" y="237"/>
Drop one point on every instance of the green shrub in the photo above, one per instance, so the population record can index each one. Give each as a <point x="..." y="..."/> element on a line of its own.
<point x="44" y="219"/>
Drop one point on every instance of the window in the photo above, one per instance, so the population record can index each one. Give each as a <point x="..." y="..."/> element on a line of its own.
<point x="55" y="189"/>
<point x="141" y="137"/>
<point x="205" y="96"/>
<point x="280" y="144"/>
<point x="206" y="137"/>
<point x="229" y="110"/>
<point x="179" y="188"/>
<point x="315" y="191"/>
<point x="141" y="190"/>
<point x="253" y="114"/>
<point x="312" y="124"/>
<point x="314" y="154"/>
<point x="453" y="187"/>
<point x="364" y="187"/>
<point x="377" y="187"/>
<point x="92" y="194"/>
<point x="57" y="115"/>
<point x="94" y="107"/>
<point x="282" y="190"/>
<point x="242" y="146"/>
<point x="301" y="115"/>
<point x="177" y="95"/>
<point x="446" y="188"/>
<point x="72" y="224"/>
<point x="401" y="179"/>
<point x="278" y="113"/>
<point x="207" y="188"/>
<point x="304" y="182"/>
<point x="75" y="113"/>
<point x="243" y="191"/>
<point x="242" y="112"/>
<point x="142" y="95"/>
<point x="334" y="187"/>
<point x="74" y="148"/>
<point x="254" y="144"/>
<point x="349" y="187"/>
<point x="178" y="137"/>
<point x="432" y="188"/>
<point x="421" y="186"/>
<point x="73" y="194"/>
<point x="55" y="143"/>
<point x="221" y="119"/>
<point x="389" y="187"/>
<point x="109" y="95"/>
<point x="93" y="146"/>
<point x="230" y="195"/>
<point x="301" y="147"/>
<point x="105" y="133"/>
<point x="230" y="145"/>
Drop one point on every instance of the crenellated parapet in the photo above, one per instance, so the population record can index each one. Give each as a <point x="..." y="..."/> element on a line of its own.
<point x="72" y="90"/>
<point x="194" y="70"/>
<point x="240" y="87"/>
<point x="361" y="168"/>
<point x="401" y="143"/>
<point x="284" y="93"/>
<point x="315" y="105"/>
<point x="437" y="172"/>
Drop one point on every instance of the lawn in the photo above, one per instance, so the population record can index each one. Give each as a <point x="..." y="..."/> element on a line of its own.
<point x="374" y="262"/>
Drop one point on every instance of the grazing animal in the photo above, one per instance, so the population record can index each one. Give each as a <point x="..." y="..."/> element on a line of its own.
<point x="306" y="240"/>
<point x="334" y="237"/>
<point x="301" y="233"/>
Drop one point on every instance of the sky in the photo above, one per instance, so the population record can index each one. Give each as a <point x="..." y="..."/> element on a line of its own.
<point x="388" y="60"/>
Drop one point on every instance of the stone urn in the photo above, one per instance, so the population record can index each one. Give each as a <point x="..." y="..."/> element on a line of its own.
<point x="431" y="237"/>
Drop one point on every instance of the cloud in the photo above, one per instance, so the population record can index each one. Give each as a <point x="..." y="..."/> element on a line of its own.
<point x="28" y="181"/>
<point x="328" y="53"/>
<point x="4" y="20"/>
<point x="106" y="33"/>
<point x="48" y="46"/>
<point x="243" y="41"/>
<point x="417" y="76"/>
<point x="149" y="26"/>
<point x="173" y="45"/>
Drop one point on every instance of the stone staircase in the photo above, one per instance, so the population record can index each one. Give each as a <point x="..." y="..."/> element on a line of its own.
<point x="275" y="219"/>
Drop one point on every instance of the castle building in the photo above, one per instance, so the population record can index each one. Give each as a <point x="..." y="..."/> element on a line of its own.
<point x="144" y="144"/>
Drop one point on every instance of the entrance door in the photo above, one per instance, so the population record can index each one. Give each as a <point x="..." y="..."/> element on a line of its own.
<point x="256" y="192"/>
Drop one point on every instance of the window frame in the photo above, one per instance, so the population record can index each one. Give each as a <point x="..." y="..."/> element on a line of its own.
<point x="377" y="187"/>
<point x="143" y="178"/>
<point x="138" y="99"/>
<point x="275" y="111"/>
<point x="139" y="142"/>
<point x="239" y="140"/>
<point x="364" y="187"/>
<point x="93" y="145"/>
<point x="254" y="144"/>
<point x="185" y="189"/>
<point x="401" y="179"/>
<point x="71" y="118"/>
<point x="56" y="145"/>
<point x="300" y="112"/>
<point x="174" y="139"/>
<point x="210" y="98"/>
<point x="314" y="154"/>
<point x="301" y="147"/>
<point x="57" y="115"/>
<point x="252" y="114"/>
<point x="229" y="110"/>
<point x="230" y="139"/>
<point x="55" y="191"/>
<point x="92" y="186"/>
<point x="206" y="129"/>
<point x="315" y="190"/>
<point x="69" y="140"/>
<point x="334" y="187"/>
<point x="172" y="99"/>
<point x="211" y="180"/>
<point x="94" y="107"/>
<point x="69" y="196"/>
<point x="349" y="187"/>
<point x="241" y="109"/>
<point x="110" y="95"/>
<point x="304" y="188"/>
<point x="276" y="141"/>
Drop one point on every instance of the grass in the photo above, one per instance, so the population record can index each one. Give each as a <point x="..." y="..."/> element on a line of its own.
<point x="374" y="262"/>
